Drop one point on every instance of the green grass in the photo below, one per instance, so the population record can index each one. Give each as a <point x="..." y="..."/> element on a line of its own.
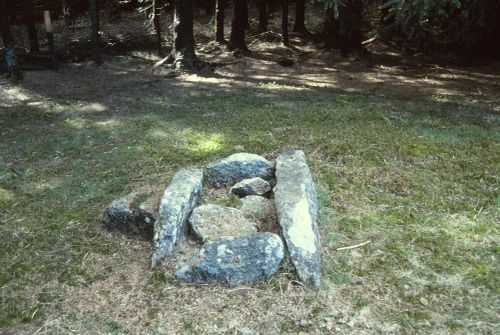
<point x="418" y="180"/>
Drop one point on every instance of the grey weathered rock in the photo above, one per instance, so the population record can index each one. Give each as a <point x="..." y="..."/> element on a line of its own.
<point x="252" y="186"/>
<point x="131" y="215"/>
<point x="177" y="203"/>
<point x="237" y="167"/>
<point x="234" y="260"/>
<point x="259" y="208"/>
<point x="297" y="210"/>
<point x="211" y="222"/>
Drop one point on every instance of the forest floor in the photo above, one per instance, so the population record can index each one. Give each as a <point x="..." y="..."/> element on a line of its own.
<point x="404" y="153"/>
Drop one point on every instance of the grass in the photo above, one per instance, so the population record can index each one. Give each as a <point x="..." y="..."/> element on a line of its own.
<point x="414" y="177"/>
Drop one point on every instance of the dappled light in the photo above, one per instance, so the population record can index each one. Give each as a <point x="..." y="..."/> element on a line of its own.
<point x="402" y="147"/>
<point x="198" y="141"/>
<point x="109" y="124"/>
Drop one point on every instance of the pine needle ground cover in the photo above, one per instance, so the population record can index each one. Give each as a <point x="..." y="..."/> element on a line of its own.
<point x="416" y="173"/>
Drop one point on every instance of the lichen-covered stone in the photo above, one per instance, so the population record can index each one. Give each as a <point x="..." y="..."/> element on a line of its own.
<point x="297" y="211"/>
<point x="177" y="203"/>
<point x="211" y="222"/>
<point x="131" y="215"/>
<point x="234" y="260"/>
<point x="237" y="167"/>
<point x="252" y="186"/>
<point x="258" y="208"/>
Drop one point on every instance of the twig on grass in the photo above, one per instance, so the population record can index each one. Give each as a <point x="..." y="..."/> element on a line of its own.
<point x="354" y="246"/>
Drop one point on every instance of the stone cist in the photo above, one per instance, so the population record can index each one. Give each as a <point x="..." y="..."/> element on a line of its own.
<point x="235" y="249"/>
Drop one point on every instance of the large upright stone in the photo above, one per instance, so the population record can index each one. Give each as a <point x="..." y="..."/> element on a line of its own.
<point x="176" y="205"/>
<point x="234" y="260"/>
<point x="211" y="222"/>
<point x="237" y="167"/>
<point x="297" y="210"/>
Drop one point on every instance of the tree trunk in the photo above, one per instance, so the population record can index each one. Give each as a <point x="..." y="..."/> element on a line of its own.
<point x="330" y="29"/>
<point x="263" y="16"/>
<point x="237" y="39"/>
<point x="284" y="22"/>
<point x="183" y="55"/>
<point x="343" y="32"/>
<point x="220" y="6"/>
<point x="29" y="22"/>
<point x="156" y="23"/>
<point x="94" y="35"/>
<point x="300" y="10"/>
<point x="8" y="42"/>
<point x="245" y="14"/>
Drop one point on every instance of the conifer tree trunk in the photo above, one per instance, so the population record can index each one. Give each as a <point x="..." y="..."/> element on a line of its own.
<point x="300" y="9"/>
<point x="29" y="22"/>
<point x="8" y="42"/>
<point x="245" y="14"/>
<point x="284" y="22"/>
<point x="350" y="17"/>
<point x="183" y="55"/>
<point x="343" y="32"/>
<point x="94" y="35"/>
<point x="157" y="25"/>
<point x="330" y="29"/>
<point x="263" y="16"/>
<point x="237" y="40"/>
<point x="220" y="6"/>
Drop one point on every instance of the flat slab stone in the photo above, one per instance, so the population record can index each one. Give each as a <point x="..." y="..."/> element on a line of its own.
<point x="234" y="260"/>
<point x="237" y="167"/>
<point x="211" y="222"/>
<point x="259" y="208"/>
<point x="252" y="186"/>
<point x="177" y="203"/>
<point x="131" y="215"/>
<point x="297" y="211"/>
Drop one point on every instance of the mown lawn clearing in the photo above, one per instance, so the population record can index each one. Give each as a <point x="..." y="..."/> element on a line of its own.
<point x="417" y="177"/>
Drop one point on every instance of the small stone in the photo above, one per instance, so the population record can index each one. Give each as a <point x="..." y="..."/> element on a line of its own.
<point x="424" y="301"/>
<point x="303" y="323"/>
<point x="237" y="167"/>
<point x="234" y="260"/>
<point x="258" y="208"/>
<point x="252" y="186"/>
<point x="239" y="148"/>
<point x="177" y="203"/>
<point x="131" y="215"/>
<point x="211" y="222"/>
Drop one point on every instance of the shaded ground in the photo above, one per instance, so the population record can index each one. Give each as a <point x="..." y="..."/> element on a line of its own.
<point x="405" y="155"/>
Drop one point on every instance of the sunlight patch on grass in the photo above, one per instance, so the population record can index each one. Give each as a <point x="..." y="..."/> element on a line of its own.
<point x="202" y="142"/>
<point x="76" y="122"/>
<point x="108" y="124"/>
<point x="6" y="196"/>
